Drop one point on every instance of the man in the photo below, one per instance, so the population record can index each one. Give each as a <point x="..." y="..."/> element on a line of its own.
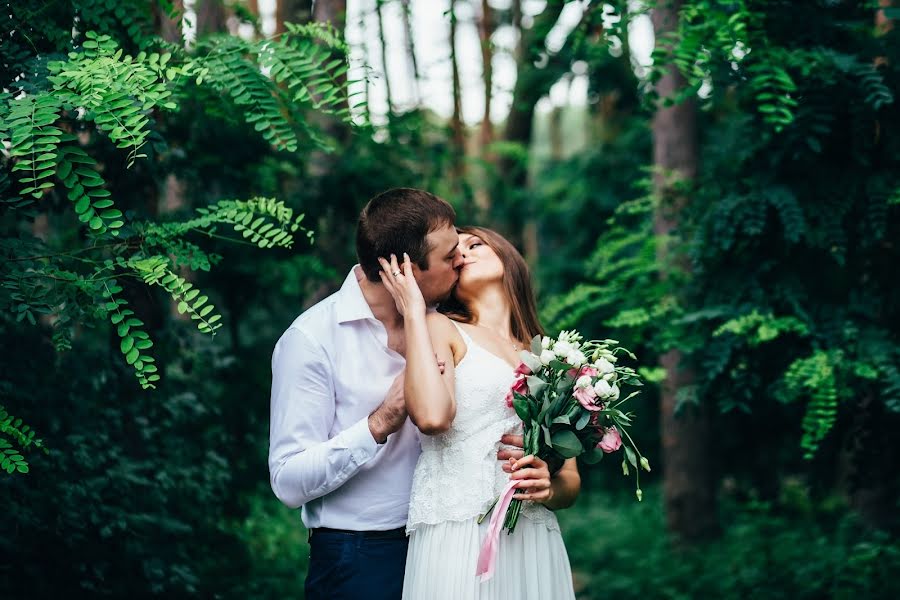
<point x="341" y="445"/>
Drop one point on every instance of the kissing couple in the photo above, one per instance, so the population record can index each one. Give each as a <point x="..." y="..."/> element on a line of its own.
<point x="389" y="424"/>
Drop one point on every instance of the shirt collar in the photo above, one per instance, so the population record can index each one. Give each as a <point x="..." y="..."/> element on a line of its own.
<point x="351" y="304"/>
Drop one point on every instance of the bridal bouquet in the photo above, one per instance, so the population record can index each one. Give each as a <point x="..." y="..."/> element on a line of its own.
<point x="568" y="394"/>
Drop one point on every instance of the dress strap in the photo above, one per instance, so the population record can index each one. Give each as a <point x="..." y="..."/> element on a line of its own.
<point x="465" y="336"/>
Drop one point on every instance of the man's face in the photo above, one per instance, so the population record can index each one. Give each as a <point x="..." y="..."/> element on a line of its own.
<point x="444" y="261"/>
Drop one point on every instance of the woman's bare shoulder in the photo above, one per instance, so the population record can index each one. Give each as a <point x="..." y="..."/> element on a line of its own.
<point x="442" y="328"/>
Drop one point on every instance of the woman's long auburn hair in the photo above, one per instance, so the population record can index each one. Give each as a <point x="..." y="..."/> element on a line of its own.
<point x="523" y="320"/>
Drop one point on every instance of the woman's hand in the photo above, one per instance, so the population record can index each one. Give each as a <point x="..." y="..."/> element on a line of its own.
<point x="402" y="285"/>
<point x="533" y="477"/>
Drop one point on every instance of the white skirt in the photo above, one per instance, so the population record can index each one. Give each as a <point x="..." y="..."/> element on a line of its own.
<point x="532" y="563"/>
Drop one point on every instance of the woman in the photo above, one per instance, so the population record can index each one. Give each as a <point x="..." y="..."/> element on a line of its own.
<point x="463" y="414"/>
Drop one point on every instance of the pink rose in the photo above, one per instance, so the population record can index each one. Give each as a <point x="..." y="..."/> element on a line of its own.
<point x="586" y="370"/>
<point x="519" y="386"/>
<point x="611" y="440"/>
<point x="523" y="369"/>
<point x="586" y="397"/>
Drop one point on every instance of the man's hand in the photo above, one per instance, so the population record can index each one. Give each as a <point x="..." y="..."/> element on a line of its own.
<point x="511" y="455"/>
<point x="505" y="454"/>
<point x="391" y="414"/>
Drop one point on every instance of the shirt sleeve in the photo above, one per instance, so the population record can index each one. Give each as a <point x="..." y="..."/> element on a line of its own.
<point x="304" y="463"/>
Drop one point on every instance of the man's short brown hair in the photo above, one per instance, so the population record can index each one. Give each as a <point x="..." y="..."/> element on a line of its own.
<point x="398" y="221"/>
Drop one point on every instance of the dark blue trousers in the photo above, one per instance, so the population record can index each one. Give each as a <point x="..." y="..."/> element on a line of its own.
<point x="349" y="566"/>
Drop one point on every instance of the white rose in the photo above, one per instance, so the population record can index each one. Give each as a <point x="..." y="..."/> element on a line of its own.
<point x="604" y="366"/>
<point x="614" y="392"/>
<point x="546" y="357"/>
<point x="583" y="382"/>
<point x="602" y="388"/>
<point x="576" y="359"/>
<point x="545" y="342"/>
<point x="563" y="349"/>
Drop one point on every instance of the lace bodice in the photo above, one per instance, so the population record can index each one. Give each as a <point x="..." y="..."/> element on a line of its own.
<point x="458" y="475"/>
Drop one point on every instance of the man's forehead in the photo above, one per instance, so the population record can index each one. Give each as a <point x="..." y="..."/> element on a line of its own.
<point x="444" y="238"/>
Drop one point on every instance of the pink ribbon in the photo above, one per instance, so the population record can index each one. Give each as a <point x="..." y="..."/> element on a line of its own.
<point x="491" y="545"/>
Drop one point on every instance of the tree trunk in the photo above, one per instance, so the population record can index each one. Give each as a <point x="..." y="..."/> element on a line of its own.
<point x="211" y="17"/>
<point x="456" y="121"/>
<point x="485" y="31"/>
<point x="411" y="50"/>
<point x="486" y="28"/>
<point x="292" y="11"/>
<point x="384" y="64"/>
<point x="882" y="23"/>
<point x="170" y="29"/>
<point x="331" y="11"/>
<point x="531" y="84"/>
<point x="869" y="449"/>
<point x="687" y="478"/>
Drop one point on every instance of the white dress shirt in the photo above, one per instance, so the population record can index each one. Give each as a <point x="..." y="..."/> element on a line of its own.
<point x="330" y="370"/>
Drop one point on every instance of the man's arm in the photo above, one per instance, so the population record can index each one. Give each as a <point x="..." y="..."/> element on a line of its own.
<point x="303" y="463"/>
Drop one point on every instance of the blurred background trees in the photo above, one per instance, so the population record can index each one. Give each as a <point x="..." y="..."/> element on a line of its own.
<point x="713" y="183"/>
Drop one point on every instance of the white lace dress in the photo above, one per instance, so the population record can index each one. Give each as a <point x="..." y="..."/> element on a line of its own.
<point x="457" y="478"/>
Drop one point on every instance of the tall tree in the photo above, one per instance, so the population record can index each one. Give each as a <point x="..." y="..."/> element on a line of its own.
<point x="688" y="484"/>
<point x="411" y="49"/>
<point x="211" y="16"/>
<point x="384" y="64"/>
<point x="331" y="11"/>
<point x="292" y="11"/>
<point x="168" y="24"/>
<point x="456" y="120"/>
<point x="486" y="27"/>
<point x="532" y="80"/>
<point x="537" y="70"/>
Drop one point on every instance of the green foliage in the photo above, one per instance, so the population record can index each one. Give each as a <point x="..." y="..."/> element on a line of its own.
<point x="133" y="338"/>
<point x="309" y="69"/>
<point x="794" y="547"/>
<point x="789" y="284"/>
<point x="87" y="86"/>
<point x="87" y="189"/>
<point x="29" y="125"/>
<point x="816" y="376"/>
<point x="11" y="458"/>
<point x="758" y="329"/>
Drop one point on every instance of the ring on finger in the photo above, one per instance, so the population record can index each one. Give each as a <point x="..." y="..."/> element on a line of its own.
<point x="396" y="273"/>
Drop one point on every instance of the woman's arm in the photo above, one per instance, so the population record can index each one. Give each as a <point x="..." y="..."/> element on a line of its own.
<point x="429" y="392"/>
<point x="430" y="397"/>
<point x="558" y="491"/>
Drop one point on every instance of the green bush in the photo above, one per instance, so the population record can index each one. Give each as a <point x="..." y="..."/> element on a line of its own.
<point x="792" y="548"/>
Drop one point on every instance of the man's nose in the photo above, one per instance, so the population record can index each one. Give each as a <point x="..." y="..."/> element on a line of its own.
<point x="460" y="259"/>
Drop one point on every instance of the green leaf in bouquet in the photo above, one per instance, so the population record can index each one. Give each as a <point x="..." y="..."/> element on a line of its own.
<point x="547" y="413"/>
<point x="632" y="457"/>
<point x="536" y="347"/>
<point x="566" y="443"/>
<point x="564" y="419"/>
<point x="630" y="396"/>
<point x="592" y="456"/>
<point x="558" y="365"/>
<point x="531" y="437"/>
<point x="523" y="406"/>
<point x="621" y="416"/>
<point x="583" y="420"/>
<point x="547" y="439"/>
<point x="536" y="385"/>
<point x="531" y="361"/>
<point x="564" y="385"/>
